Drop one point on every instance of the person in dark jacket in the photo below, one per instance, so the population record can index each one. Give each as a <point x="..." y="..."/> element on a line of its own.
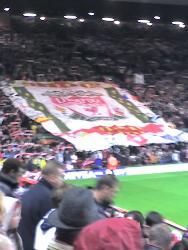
<point x="104" y="192"/>
<point x="37" y="202"/>
<point x="9" y="176"/>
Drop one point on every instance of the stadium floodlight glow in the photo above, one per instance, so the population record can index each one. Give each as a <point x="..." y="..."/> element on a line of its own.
<point x="42" y="18"/>
<point x="177" y="23"/>
<point x="143" y="21"/>
<point x="91" y="13"/>
<point x="6" y="9"/>
<point x="30" y="14"/>
<point x="70" y="17"/>
<point x="117" y="22"/>
<point x="108" y="19"/>
<point x="149" y="24"/>
<point x="81" y="20"/>
<point x="182" y="25"/>
<point x="157" y="17"/>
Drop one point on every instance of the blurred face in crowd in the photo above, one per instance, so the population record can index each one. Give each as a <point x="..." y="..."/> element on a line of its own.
<point x="15" y="175"/>
<point x="56" y="179"/>
<point x="109" y="193"/>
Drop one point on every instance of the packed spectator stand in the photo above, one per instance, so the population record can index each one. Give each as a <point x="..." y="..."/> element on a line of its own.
<point x="19" y="139"/>
<point x="89" y="53"/>
<point x="95" y="54"/>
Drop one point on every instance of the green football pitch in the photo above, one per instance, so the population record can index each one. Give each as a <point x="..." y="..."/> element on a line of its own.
<point x="166" y="193"/>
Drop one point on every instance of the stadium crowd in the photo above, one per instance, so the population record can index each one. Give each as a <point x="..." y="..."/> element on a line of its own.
<point x="52" y="214"/>
<point x="84" y="56"/>
<point x="20" y="138"/>
<point x="93" y="52"/>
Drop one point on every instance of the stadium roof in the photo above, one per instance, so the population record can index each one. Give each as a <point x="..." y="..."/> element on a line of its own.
<point x="170" y="2"/>
<point x="119" y="9"/>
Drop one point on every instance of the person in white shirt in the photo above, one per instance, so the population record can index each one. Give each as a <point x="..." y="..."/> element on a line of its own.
<point x="45" y="232"/>
<point x="42" y="236"/>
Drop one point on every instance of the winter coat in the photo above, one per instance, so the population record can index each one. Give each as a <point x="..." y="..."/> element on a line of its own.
<point x="11" y="220"/>
<point x="35" y="204"/>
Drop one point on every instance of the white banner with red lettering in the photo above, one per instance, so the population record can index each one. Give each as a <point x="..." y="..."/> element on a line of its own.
<point x="90" y="115"/>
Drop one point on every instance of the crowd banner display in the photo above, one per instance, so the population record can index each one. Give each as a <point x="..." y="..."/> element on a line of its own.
<point x="91" y="115"/>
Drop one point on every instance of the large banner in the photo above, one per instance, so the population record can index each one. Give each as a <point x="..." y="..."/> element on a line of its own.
<point x="90" y="115"/>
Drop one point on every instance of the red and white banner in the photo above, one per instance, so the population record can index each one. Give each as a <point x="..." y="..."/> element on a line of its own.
<point x="90" y="115"/>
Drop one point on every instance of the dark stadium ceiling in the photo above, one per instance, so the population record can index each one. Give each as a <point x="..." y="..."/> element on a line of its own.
<point x="119" y="9"/>
<point x="170" y="2"/>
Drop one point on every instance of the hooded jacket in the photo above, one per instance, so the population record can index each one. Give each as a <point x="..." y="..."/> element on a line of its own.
<point x="7" y="185"/>
<point x="35" y="204"/>
<point x="12" y="209"/>
<point x="111" y="233"/>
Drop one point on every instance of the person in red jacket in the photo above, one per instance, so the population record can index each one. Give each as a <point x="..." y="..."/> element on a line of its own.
<point x="111" y="233"/>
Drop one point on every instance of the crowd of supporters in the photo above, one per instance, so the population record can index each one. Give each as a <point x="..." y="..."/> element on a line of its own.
<point x="55" y="215"/>
<point x="91" y="52"/>
<point x="52" y="214"/>
<point x="20" y="138"/>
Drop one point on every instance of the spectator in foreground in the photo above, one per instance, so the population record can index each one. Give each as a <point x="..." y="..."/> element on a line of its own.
<point x="160" y="238"/>
<point x="5" y="243"/>
<point x="9" y="176"/>
<point x="104" y="192"/>
<point x="137" y="216"/>
<point x="38" y="201"/>
<point x="11" y="221"/>
<point x="45" y="232"/>
<point x="153" y="218"/>
<point x="182" y="244"/>
<point x="77" y="209"/>
<point x="110" y="233"/>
